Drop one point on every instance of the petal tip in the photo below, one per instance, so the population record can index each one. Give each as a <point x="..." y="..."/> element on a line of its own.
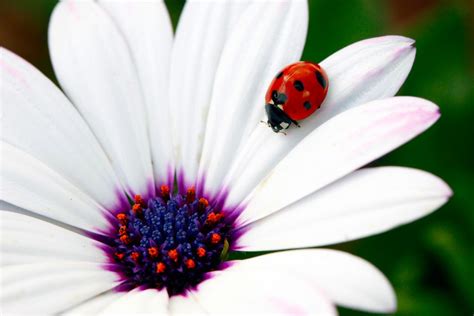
<point x="392" y="306"/>
<point x="389" y="304"/>
<point x="395" y="39"/>
<point x="406" y="40"/>
<point x="405" y="45"/>
<point x="427" y="107"/>
<point x="444" y="189"/>
<point x="438" y="186"/>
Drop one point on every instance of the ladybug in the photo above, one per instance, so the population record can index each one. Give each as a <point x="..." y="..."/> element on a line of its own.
<point x="294" y="94"/>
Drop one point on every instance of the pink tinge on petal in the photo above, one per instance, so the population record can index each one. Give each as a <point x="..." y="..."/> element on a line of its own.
<point x="286" y="308"/>
<point x="11" y="70"/>
<point x="72" y="7"/>
<point x="407" y="129"/>
<point x="383" y="39"/>
<point x="338" y="147"/>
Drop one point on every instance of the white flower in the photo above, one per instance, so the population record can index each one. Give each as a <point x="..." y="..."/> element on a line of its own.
<point x="147" y="106"/>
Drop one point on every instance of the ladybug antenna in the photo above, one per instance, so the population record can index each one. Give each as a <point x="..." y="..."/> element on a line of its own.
<point x="266" y="123"/>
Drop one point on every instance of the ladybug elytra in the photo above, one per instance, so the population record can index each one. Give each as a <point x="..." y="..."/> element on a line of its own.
<point x="294" y="94"/>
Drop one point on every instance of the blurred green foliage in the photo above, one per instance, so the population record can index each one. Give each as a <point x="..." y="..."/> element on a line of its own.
<point x="430" y="262"/>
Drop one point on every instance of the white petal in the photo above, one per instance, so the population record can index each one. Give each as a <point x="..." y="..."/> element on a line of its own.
<point x="345" y="279"/>
<point x="202" y="31"/>
<point x="368" y="70"/>
<point x="30" y="184"/>
<point x="95" y="68"/>
<point x="50" y="287"/>
<point x="25" y="239"/>
<point x="185" y="304"/>
<point x="245" y="289"/>
<point x="269" y="35"/>
<point x="139" y="302"/>
<point x="343" y="144"/>
<point x="38" y="119"/>
<point x="94" y="305"/>
<point x="147" y="28"/>
<point x="366" y="202"/>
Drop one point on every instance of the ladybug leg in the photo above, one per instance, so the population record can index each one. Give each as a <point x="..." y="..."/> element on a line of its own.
<point x="275" y="127"/>
<point x="278" y="129"/>
<point x="290" y="121"/>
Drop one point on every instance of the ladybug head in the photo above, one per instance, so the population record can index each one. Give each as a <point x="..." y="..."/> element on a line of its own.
<point x="277" y="118"/>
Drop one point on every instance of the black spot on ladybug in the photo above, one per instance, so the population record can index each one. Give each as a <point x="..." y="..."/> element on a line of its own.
<point x="278" y="98"/>
<point x="282" y="98"/>
<point x="321" y="79"/>
<point x="274" y="95"/>
<point x="307" y="105"/>
<point x="279" y="75"/>
<point x="298" y="85"/>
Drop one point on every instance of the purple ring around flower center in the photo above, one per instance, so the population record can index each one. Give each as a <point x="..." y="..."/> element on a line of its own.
<point x="170" y="241"/>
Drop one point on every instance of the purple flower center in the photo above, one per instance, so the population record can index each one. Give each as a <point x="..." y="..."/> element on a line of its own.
<point x="169" y="242"/>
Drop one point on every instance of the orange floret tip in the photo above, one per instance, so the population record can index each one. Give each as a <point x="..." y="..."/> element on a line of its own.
<point x="190" y="264"/>
<point x="213" y="218"/>
<point x="135" y="256"/>
<point x="190" y="195"/>
<point x="138" y="199"/>
<point x="122" y="230"/>
<point x="173" y="254"/>
<point x="201" y="252"/>
<point x="203" y="202"/>
<point x="160" y="267"/>
<point x="153" y="252"/>
<point x="121" y="217"/>
<point x="136" y="208"/>
<point x="215" y="238"/>
<point x="119" y="256"/>
<point x="125" y="239"/>
<point x="165" y="190"/>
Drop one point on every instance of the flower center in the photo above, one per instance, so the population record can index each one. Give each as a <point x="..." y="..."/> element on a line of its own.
<point x="169" y="241"/>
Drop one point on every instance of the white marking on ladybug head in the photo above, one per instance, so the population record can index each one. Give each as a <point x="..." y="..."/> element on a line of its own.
<point x="284" y="125"/>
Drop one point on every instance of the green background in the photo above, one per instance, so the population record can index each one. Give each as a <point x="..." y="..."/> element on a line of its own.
<point x="429" y="262"/>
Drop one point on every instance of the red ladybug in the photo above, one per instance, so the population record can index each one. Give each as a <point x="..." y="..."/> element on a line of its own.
<point x="294" y="94"/>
